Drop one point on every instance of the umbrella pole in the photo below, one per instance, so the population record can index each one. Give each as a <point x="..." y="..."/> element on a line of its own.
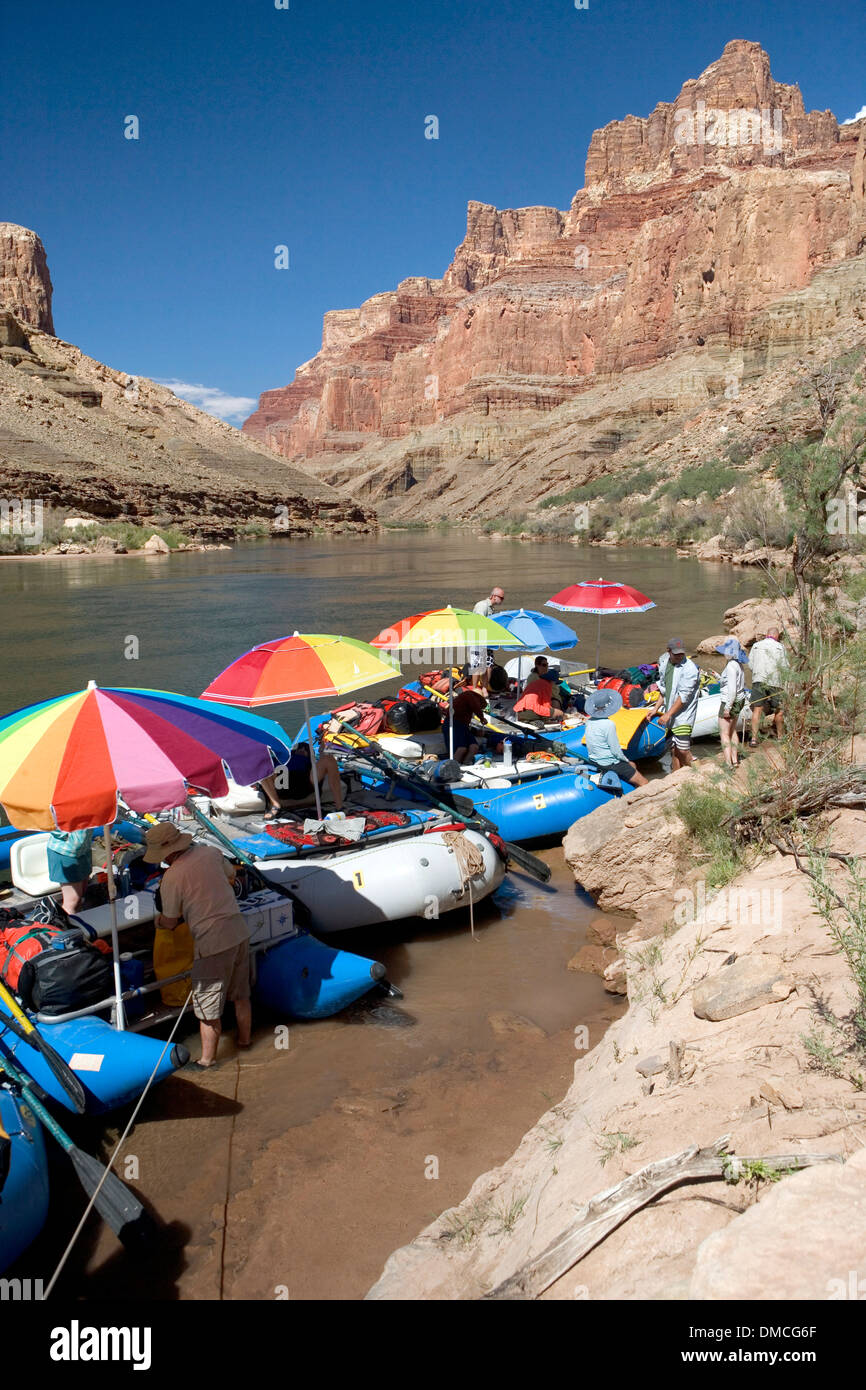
<point x="120" y="1020"/>
<point x="315" y="770"/>
<point x="598" y="646"/>
<point x="450" y="710"/>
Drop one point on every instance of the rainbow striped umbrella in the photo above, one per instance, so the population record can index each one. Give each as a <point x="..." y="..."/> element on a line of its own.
<point x="65" y="762"/>
<point x="305" y="666"/>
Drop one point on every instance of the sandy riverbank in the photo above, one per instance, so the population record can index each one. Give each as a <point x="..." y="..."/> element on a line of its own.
<point x="746" y="1074"/>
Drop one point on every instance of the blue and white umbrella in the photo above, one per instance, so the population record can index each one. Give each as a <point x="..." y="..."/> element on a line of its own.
<point x="539" y="631"/>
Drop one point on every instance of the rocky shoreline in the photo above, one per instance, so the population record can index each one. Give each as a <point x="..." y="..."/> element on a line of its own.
<point x="712" y="1045"/>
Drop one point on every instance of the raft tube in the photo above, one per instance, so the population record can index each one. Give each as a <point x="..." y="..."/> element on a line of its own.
<point x="307" y="979"/>
<point x="389" y="881"/>
<point x="112" y="1066"/>
<point x="23" y="1178"/>
<point x="536" y="810"/>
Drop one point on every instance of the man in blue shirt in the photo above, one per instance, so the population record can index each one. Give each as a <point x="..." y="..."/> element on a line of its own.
<point x="681" y="681"/>
<point x="602" y="740"/>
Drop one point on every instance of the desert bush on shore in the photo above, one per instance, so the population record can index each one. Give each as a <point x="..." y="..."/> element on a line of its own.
<point x="54" y="532"/>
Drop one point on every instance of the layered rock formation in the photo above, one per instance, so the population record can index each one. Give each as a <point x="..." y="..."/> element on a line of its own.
<point x="688" y="266"/>
<point x="25" y="284"/>
<point x="77" y="434"/>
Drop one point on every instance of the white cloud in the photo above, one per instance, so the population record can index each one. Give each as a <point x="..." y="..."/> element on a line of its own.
<point x="860" y="114"/>
<point x="233" y="409"/>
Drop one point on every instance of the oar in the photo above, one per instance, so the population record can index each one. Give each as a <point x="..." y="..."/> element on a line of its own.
<point x="446" y="801"/>
<point x="20" y="1025"/>
<point x="115" y="1203"/>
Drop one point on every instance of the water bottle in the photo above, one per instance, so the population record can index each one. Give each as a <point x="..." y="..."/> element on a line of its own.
<point x="508" y="753"/>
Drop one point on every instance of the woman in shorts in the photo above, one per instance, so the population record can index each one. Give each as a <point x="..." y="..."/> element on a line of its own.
<point x="732" y="685"/>
<point x="70" y="863"/>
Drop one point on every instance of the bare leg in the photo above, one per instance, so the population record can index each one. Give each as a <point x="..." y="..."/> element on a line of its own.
<point x="638" y="780"/>
<point x="244" y="1016"/>
<point x="682" y="757"/>
<point x="327" y="769"/>
<point x="269" y="787"/>
<point x="725" y="736"/>
<point x="72" y="895"/>
<point x="757" y="711"/>
<point x="210" y="1036"/>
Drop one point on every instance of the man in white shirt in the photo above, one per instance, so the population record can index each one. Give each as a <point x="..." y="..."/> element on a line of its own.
<point x="681" y="682"/>
<point x="768" y="662"/>
<point x="478" y="659"/>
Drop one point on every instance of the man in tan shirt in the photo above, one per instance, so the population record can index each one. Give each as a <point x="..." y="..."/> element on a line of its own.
<point x="195" y="888"/>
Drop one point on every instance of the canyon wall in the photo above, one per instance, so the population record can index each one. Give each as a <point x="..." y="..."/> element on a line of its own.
<point x="25" y="284"/>
<point x="692" y="224"/>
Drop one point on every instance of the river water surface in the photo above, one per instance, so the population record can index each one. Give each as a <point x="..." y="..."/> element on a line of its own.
<point x="293" y="1172"/>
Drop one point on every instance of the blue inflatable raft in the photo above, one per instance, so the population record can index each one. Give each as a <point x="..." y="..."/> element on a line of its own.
<point x="648" y="741"/>
<point x="305" y="978"/>
<point x="542" y="807"/>
<point x="23" y="1178"/>
<point x="113" y="1067"/>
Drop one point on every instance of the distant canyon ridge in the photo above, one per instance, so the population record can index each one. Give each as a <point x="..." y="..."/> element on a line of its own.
<point x="716" y="249"/>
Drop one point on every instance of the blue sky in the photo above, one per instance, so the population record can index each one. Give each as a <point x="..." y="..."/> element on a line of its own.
<point x="304" y="127"/>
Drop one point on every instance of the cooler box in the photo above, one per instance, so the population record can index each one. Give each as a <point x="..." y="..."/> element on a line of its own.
<point x="268" y="916"/>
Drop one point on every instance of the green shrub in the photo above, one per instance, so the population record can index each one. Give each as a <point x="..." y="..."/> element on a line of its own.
<point x="702" y="810"/>
<point x="613" y="487"/>
<point x="712" y="477"/>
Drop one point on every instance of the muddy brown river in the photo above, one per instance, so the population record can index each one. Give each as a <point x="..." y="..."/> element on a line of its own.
<point x="292" y="1172"/>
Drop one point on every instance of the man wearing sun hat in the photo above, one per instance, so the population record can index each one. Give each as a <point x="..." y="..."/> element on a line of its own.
<point x="601" y="739"/>
<point x="195" y="888"/>
<point x="681" y="682"/>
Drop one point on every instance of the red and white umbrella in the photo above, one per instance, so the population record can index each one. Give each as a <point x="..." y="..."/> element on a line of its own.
<point x="600" y="596"/>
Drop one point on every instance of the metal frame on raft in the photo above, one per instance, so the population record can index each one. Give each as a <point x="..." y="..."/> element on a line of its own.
<point x="122" y="997"/>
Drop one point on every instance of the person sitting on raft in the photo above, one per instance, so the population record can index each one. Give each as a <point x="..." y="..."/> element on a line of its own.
<point x="541" y="702"/>
<point x="295" y="781"/>
<point x="602" y="740"/>
<point x="469" y="704"/>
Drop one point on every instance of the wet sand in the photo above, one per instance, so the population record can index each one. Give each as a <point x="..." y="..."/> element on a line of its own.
<point x="294" y="1173"/>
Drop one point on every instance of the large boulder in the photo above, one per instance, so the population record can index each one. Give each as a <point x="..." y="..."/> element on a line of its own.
<point x="156" y="546"/>
<point x="628" y="854"/>
<point x="803" y="1241"/>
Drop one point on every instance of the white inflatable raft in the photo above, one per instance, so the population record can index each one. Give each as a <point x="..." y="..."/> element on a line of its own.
<point x="419" y="876"/>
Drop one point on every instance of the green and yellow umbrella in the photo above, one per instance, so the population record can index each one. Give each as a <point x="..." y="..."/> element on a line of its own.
<point x="440" y="635"/>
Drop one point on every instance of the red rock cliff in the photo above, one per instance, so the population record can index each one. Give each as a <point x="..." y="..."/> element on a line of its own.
<point x="25" y="285"/>
<point x="691" y="222"/>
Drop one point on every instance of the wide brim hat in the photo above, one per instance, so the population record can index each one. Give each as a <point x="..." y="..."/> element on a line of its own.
<point x="732" y="650"/>
<point x="163" y="839"/>
<point x="601" y="704"/>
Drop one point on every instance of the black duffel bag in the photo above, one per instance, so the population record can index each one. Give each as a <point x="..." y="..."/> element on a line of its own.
<point x="400" y="718"/>
<point x="61" y="981"/>
<point x="428" y="717"/>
